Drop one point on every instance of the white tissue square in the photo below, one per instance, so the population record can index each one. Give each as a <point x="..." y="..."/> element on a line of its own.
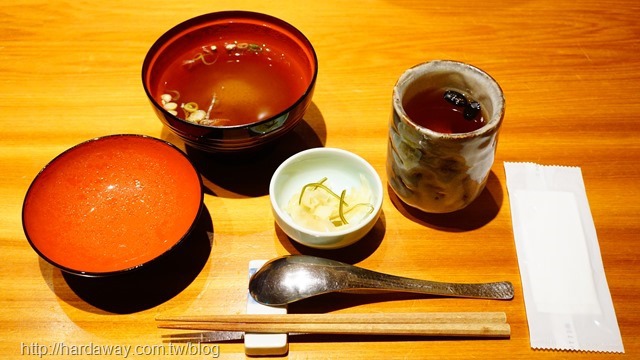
<point x="565" y="289"/>
<point x="557" y="257"/>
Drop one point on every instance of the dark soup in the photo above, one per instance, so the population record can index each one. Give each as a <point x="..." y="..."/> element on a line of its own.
<point x="235" y="81"/>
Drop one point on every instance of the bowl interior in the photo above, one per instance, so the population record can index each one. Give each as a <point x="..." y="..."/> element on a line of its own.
<point x="342" y="170"/>
<point x="241" y="67"/>
<point x="111" y="204"/>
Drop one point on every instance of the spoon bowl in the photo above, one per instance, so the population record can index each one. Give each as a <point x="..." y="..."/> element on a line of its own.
<point x="292" y="278"/>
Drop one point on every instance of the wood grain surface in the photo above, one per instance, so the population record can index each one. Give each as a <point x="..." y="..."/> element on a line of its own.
<point x="570" y="71"/>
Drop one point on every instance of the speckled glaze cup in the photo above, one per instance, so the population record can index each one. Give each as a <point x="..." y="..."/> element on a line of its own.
<point x="437" y="172"/>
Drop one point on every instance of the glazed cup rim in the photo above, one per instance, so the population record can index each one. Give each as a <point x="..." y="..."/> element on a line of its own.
<point x="409" y="75"/>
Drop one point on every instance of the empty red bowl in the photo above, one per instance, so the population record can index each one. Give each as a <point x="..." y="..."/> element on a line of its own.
<point x="112" y="204"/>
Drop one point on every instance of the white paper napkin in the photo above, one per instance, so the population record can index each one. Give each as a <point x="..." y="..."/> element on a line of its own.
<point x="566" y="294"/>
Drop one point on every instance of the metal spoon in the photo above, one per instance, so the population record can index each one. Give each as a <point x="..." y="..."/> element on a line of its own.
<point x="295" y="277"/>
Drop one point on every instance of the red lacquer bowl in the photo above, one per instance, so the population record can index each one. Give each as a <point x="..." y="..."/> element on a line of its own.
<point x="112" y="204"/>
<point x="212" y="41"/>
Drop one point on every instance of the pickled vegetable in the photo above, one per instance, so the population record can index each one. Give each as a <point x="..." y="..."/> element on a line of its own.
<point x="318" y="207"/>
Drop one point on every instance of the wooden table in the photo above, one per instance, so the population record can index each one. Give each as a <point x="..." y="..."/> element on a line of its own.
<point x="70" y="71"/>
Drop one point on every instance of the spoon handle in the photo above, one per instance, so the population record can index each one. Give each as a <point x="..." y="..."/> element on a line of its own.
<point x="366" y="279"/>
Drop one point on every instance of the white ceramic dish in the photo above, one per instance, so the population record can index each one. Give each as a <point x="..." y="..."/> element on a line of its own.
<point x="343" y="169"/>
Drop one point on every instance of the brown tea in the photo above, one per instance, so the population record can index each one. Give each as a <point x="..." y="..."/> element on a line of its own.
<point x="445" y="111"/>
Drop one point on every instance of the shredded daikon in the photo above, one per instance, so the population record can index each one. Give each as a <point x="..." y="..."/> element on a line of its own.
<point x="317" y="207"/>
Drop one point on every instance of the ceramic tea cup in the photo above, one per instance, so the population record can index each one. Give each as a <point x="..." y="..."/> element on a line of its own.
<point x="441" y="171"/>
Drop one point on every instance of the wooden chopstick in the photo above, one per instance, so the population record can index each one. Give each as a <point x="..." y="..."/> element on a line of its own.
<point x="478" y="329"/>
<point x="389" y="318"/>
<point x="487" y="324"/>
